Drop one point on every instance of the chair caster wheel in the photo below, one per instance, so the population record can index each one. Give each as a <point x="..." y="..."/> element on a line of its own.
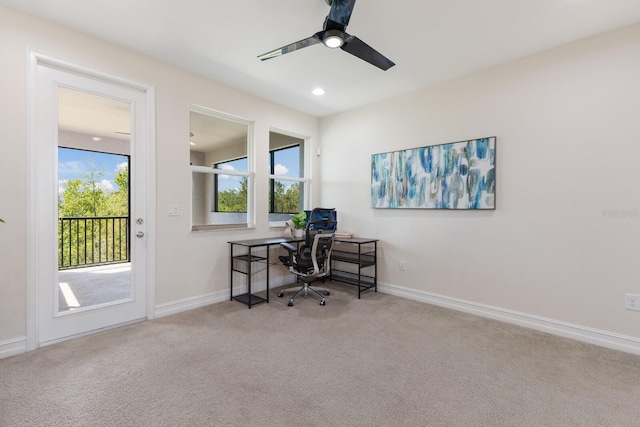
<point x="280" y="294"/>
<point x="327" y="293"/>
<point x="290" y="304"/>
<point x="322" y="302"/>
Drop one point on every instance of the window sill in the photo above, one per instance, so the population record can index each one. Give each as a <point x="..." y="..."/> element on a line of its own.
<point x="219" y="227"/>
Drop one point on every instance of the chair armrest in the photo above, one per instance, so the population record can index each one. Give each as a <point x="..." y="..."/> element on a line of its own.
<point x="288" y="246"/>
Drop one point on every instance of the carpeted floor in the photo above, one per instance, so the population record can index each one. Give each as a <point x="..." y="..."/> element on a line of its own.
<point x="378" y="361"/>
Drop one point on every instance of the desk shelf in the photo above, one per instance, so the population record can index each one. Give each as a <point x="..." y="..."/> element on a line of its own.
<point x="365" y="259"/>
<point x="243" y="263"/>
<point x="249" y="299"/>
<point x="362" y="255"/>
<point x="248" y="264"/>
<point x="253" y="259"/>
<point x="365" y="282"/>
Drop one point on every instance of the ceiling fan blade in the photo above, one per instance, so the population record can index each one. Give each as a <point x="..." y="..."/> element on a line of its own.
<point x="310" y="41"/>
<point x="358" y="48"/>
<point x="341" y="11"/>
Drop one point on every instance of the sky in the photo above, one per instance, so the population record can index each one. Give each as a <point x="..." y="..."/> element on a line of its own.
<point x="287" y="164"/>
<point x="72" y="164"/>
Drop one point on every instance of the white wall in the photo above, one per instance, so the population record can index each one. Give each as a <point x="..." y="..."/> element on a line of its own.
<point x="567" y="123"/>
<point x="567" y="127"/>
<point x="189" y="265"/>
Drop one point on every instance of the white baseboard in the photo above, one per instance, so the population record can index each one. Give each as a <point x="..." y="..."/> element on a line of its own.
<point x="179" y="306"/>
<point x="581" y="333"/>
<point x="577" y="332"/>
<point x="13" y="347"/>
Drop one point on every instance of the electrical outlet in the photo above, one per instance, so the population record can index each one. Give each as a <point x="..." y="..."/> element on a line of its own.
<point x="403" y="266"/>
<point x="632" y="302"/>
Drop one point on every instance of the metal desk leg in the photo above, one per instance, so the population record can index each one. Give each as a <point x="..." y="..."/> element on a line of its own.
<point x="249" y="279"/>
<point x="268" y="268"/>
<point x="375" y="266"/>
<point x="359" y="270"/>
<point x="231" y="272"/>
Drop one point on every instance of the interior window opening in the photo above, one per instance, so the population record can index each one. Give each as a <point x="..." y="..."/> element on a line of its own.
<point x="288" y="180"/>
<point x="220" y="159"/>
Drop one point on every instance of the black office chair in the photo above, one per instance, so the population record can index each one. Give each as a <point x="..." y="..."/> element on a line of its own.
<point x="312" y="260"/>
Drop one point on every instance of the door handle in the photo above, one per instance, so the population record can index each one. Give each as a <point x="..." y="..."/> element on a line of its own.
<point x="139" y="234"/>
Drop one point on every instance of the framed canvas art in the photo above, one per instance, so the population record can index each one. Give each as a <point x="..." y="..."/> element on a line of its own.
<point x="458" y="175"/>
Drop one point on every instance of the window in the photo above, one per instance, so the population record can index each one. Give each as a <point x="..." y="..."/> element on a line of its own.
<point x="230" y="192"/>
<point x="288" y="183"/>
<point x="221" y="170"/>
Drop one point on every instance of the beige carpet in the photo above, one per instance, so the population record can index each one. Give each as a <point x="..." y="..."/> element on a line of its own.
<point x="378" y="361"/>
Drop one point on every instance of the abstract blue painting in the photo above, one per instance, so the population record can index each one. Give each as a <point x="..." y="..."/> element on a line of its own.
<point x="459" y="175"/>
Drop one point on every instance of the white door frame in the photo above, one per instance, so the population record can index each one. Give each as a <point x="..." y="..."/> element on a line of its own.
<point x="36" y="59"/>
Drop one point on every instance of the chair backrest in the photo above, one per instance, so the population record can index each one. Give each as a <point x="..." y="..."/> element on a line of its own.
<point x="319" y="235"/>
<point x="321" y="220"/>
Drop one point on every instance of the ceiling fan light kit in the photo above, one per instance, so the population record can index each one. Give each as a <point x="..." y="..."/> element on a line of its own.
<point x="334" y="35"/>
<point x="333" y="38"/>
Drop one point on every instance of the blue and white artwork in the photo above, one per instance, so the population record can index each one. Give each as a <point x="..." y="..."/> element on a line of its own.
<point x="460" y="175"/>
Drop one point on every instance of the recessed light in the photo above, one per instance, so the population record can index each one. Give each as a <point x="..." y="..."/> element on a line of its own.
<point x="318" y="91"/>
<point x="96" y="138"/>
<point x="192" y="143"/>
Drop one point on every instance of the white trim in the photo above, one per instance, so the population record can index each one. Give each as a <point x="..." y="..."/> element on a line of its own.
<point x="179" y="306"/>
<point x="212" y="170"/>
<point x="306" y="165"/>
<point x="306" y="180"/>
<point x="95" y="331"/>
<point x="32" y="312"/>
<point x="288" y="178"/>
<point x="152" y="230"/>
<point x="13" y="347"/>
<point x="50" y="61"/>
<point x="34" y="60"/>
<point x="568" y="330"/>
<point x="251" y="163"/>
<point x="220" y="115"/>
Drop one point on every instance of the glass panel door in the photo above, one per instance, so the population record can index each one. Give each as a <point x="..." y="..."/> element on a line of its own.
<point x="90" y="203"/>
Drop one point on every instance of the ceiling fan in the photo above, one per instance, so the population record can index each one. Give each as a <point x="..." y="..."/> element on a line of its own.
<point x="333" y="35"/>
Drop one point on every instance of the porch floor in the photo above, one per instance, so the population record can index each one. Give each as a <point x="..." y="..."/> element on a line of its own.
<point x="87" y="286"/>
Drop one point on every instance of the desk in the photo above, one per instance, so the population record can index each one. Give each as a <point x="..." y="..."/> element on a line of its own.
<point x="366" y="255"/>
<point x="244" y="263"/>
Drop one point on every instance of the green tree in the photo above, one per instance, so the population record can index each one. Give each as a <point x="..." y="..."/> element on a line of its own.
<point x="234" y="199"/>
<point x="81" y="198"/>
<point x="286" y="198"/>
<point x="291" y="199"/>
<point x="118" y="201"/>
<point x="90" y="240"/>
<point x="84" y="197"/>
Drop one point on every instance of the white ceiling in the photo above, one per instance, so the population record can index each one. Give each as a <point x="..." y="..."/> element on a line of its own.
<point x="430" y="40"/>
<point x="94" y="115"/>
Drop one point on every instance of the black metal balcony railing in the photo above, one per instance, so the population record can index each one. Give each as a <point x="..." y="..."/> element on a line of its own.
<point x="86" y="241"/>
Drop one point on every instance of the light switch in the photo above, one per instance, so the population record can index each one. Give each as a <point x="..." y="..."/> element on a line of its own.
<point x="173" y="210"/>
